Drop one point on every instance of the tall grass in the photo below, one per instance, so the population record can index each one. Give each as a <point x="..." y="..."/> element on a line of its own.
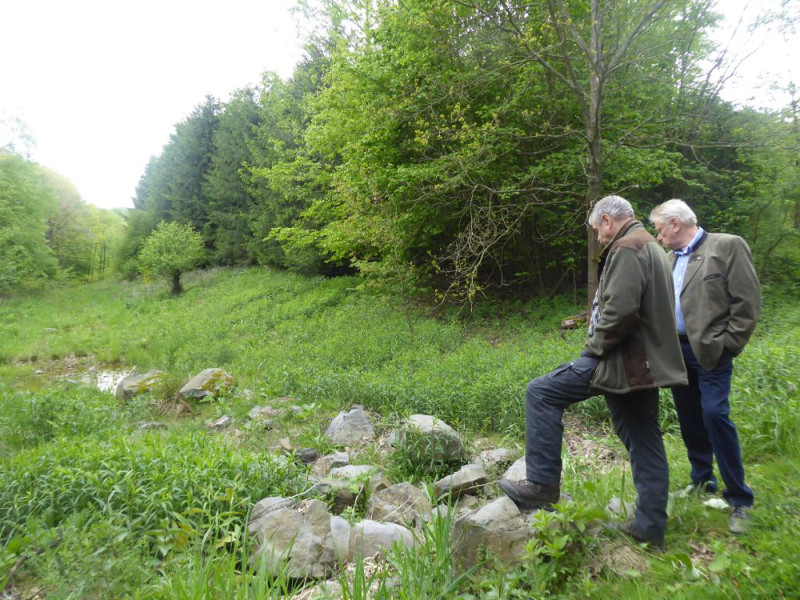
<point x="161" y="514"/>
<point x="171" y="491"/>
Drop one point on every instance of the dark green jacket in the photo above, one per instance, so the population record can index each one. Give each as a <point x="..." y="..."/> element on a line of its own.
<point x="720" y="298"/>
<point x="636" y="336"/>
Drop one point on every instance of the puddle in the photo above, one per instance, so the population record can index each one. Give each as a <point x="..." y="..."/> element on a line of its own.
<point x="103" y="380"/>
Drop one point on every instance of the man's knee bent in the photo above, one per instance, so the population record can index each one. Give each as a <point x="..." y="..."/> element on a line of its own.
<point x="534" y="388"/>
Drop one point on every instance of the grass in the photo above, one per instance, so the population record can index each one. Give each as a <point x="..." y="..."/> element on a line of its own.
<point x="118" y="511"/>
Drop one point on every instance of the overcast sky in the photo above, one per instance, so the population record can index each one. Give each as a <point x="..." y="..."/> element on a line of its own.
<point x="101" y="84"/>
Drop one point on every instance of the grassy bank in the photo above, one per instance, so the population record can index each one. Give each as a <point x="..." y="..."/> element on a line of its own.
<point x="122" y="512"/>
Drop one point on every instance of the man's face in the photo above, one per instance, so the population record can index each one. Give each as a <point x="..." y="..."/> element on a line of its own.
<point x="668" y="233"/>
<point x="604" y="229"/>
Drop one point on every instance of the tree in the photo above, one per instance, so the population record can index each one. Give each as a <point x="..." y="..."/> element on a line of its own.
<point x="171" y="250"/>
<point x="226" y="180"/>
<point x="26" y="202"/>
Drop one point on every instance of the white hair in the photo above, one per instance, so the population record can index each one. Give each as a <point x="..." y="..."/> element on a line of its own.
<point x="673" y="209"/>
<point x="615" y="207"/>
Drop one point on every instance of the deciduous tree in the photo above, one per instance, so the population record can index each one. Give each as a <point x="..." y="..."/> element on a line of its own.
<point x="171" y="250"/>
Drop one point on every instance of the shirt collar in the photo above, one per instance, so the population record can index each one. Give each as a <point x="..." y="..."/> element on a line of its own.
<point x="688" y="249"/>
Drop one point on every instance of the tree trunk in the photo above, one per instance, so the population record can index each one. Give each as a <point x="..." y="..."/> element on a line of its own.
<point x="176" y="283"/>
<point x="594" y="164"/>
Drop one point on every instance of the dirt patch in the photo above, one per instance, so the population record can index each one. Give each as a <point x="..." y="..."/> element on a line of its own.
<point x="620" y="558"/>
<point x="593" y="445"/>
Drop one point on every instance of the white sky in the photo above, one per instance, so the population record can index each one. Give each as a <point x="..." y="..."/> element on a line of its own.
<point x="102" y="83"/>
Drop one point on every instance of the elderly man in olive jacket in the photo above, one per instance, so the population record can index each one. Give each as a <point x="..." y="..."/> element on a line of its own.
<point x="717" y="304"/>
<point x="632" y="351"/>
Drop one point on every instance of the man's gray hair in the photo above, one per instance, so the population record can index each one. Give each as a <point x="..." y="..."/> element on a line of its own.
<point x="673" y="209"/>
<point x="615" y="207"/>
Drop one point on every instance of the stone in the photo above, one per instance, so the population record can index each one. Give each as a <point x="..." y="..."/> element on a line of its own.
<point x="468" y="478"/>
<point x="489" y="459"/>
<point x="517" y="471"/>
<point x="282" y="446"/>
<point x="350" y="427"/>
<point x="353" y="472"/>
<point x="307" y="455"/>
<point x="441" y="441"/>
<point x="497" y="529"/>
<point x="265" y="506"/>
<point x="206" y="383"/>
<point x="368" y="538"/>
<point x="338" y="459"/>
<point x="401" y="503"/>
<point x="340" y="532"/>
<point x="221" y="423"/>
<point x="379" y="481"/>
<point x="297" y="539"/>
<point x="135" y="384"/>
<point x="617" y="508"/>
<point x="149" y="425"/>
<point x="261" y="413"/>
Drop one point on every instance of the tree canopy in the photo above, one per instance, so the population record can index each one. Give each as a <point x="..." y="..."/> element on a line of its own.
<point x="453" y="147"/>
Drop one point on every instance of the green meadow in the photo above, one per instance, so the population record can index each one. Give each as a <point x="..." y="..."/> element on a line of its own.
<point x="92" y="505"/>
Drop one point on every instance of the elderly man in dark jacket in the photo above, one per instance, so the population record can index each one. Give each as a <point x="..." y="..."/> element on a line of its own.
<point x="717" y="304"/>
<point x="632" y="350"/>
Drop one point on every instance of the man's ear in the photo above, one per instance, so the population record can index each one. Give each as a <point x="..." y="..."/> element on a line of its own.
<point x="675" y="223"/>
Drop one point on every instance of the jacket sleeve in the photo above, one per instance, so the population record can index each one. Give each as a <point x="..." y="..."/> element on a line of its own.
<point x="623" y="282"/>
<point x="745" y="296"/>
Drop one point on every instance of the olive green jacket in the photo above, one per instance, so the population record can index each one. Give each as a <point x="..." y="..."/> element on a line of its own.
<point x="636" y="337"/>
<point x="720" y="297"/>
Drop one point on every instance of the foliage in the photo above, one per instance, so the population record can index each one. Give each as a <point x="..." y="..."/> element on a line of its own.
<point x="172" y="492"/>
<point x="446" y="149"/>
<point x="47" y="232"/>
<point x="419" y="456"/>
<point x="33" y="419"/>
<point x="171" y="250"/>
<point x="26" y="261"/>
<point x="161" y="513"/>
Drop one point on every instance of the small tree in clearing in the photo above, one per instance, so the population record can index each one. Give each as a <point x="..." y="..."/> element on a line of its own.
<point x="171" y="250"/>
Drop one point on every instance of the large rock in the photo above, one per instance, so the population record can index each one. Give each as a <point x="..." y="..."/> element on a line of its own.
<point x="350" y="427"/>
<point x="368" y="538"/>
<point x="497" y="529"/>
<point x="401" y="503"/>
<point x="442" y="443"/>
<point x="134" y="384"/>
<point x="207" y="383"/>
<point x="468" y="478"/>
<point x="264" y="507"/>
<point x="517" y="471"/>
<point x="300" y="539"/>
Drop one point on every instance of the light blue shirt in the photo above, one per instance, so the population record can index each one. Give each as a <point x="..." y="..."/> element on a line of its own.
<point x="678" y="273"/>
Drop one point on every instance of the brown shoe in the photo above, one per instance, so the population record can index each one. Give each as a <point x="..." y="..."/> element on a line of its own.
<point x="529" y="495"/>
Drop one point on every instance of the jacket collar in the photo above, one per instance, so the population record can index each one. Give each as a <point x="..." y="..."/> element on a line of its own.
<point x="621" y="233"/>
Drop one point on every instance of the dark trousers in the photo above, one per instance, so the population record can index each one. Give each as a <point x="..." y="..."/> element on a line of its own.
<point x="635" y="417"/>
<point x="703" y="412"/>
